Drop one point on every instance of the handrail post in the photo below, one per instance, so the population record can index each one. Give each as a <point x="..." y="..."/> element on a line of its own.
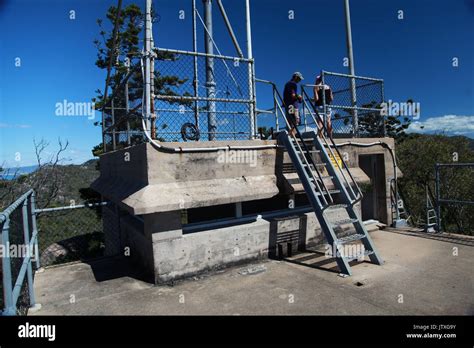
<point x="35" y="228"/>
<point x="9" y="305"/>
<point x="29" y="270"/>
<point x="277" y="124"/>
<point x="438" y="208"/>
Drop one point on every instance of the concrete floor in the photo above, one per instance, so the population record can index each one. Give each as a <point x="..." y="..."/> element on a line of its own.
<point x="421" y="276"/>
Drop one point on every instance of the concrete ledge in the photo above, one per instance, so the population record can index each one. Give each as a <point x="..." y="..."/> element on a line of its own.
<point x="202" y="193"/>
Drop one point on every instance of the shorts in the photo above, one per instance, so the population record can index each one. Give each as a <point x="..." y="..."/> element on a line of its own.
<point x="293" y="118"/>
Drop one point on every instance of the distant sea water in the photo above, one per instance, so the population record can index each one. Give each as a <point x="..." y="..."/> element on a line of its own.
<point x="10" y="173"/>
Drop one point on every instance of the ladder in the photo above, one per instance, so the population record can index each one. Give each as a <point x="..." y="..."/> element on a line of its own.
<point x="400" y="215"/>
<point x="431" y="216"/>
<point x="334" y="207"/>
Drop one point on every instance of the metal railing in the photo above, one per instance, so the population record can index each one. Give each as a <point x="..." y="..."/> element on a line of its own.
<point x="184" y="108"/>
<point x="20" y="248"/>
<point x="349" y="184"/>
<point x="356" y="108"/>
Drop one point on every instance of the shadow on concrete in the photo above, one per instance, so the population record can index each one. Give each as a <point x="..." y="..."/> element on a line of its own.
<point x="114" y="267"/>
<point x="320" y="261"/>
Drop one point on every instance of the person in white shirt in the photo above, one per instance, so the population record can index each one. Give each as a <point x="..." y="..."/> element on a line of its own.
<point x="318" y="90"/>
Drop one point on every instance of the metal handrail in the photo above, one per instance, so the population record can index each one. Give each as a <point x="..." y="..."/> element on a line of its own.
<point x="356" y="197"/>
<point x="12" y="289"/>
<point x="278" y="103"/>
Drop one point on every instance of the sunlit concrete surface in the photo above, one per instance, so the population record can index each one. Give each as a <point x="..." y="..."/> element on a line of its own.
<point x="422" y="275"/>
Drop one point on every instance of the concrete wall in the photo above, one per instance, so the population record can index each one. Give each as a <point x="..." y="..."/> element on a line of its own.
<point x="155" y="186"/>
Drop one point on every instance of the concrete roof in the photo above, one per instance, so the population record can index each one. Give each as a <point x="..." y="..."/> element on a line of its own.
<point x="433" y="274"/>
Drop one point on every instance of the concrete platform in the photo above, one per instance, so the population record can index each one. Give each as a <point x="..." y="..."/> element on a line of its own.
<point x="422" y="275"/>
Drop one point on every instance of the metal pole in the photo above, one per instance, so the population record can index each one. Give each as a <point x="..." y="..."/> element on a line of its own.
<point x="229" y="28"/>
<point x="250" y="70"/>
<point x="355" y="121"/>
<point x="210" y="82"/>
<point x="152" y="91"/>
<point x="29" y="269"/>
<point x="114" y="144"/>
<point x="127" y="108"/>
<point x="147" y="63"/>
<point x="9" y="306"/>
<point x="427" y="207"/>
<point x="277" y="126"/>
<point x="384" y="129"/>
<point x="34" y="227"/>
<point x="196" y="77"/>
<point x="438" y="208"/>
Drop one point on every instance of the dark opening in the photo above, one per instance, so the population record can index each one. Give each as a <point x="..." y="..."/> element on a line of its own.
<point x="374" y="201"/>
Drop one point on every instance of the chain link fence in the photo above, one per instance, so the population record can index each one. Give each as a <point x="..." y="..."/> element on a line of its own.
<point x="73" y="233"/>
<point x="354" y="96"/>
<point x="196" y="97"/>
<point x="220" y="105"/>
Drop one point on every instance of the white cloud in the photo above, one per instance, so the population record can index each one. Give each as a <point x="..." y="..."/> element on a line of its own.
<point x="452" y="124"/>
<point x="6" y="125"/>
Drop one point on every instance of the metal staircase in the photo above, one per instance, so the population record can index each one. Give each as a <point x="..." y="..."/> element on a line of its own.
<point x="334" y="206"/>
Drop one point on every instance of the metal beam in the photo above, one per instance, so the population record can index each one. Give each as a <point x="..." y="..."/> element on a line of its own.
<point x="229" y="28"/>
<point x="355" y="120"/>
<point x="251" y="72"/>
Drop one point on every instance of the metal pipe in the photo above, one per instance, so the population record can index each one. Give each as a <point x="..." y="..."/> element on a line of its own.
<point x="250" y="70"/>
<point x="152" y="90"/>
<point x="4" y="215"/>
<point x="201" y="54"/>
<point x="9" y="306"/>
<point x="229" y="28"/>
<point x="210" y="82"/>
<point x="438" y="207"/>
<point x="88" y="205"/>
<point x="349" y="75"/>
<point x="218" y="111"/>
<point x="224" y="100"/>
<point x="34" y="227"/>
<point x="147" y="63"/>
<point x="127" y="107"/>
<point x="114" y="144"/>
<point x="355" y="121"/>
<point x="195" y="64"/>
<point x="29" y="269"/>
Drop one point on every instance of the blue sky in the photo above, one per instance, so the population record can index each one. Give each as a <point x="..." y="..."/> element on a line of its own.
<point x="414" y="56"/>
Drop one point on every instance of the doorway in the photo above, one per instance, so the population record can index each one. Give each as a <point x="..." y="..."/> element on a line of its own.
<point x="374" y="202"/>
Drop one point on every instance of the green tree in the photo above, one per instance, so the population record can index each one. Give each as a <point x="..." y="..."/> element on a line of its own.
<point x="417" y="155"/>
<point x="371" y="122"/>
<point x="126" y="56"/>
